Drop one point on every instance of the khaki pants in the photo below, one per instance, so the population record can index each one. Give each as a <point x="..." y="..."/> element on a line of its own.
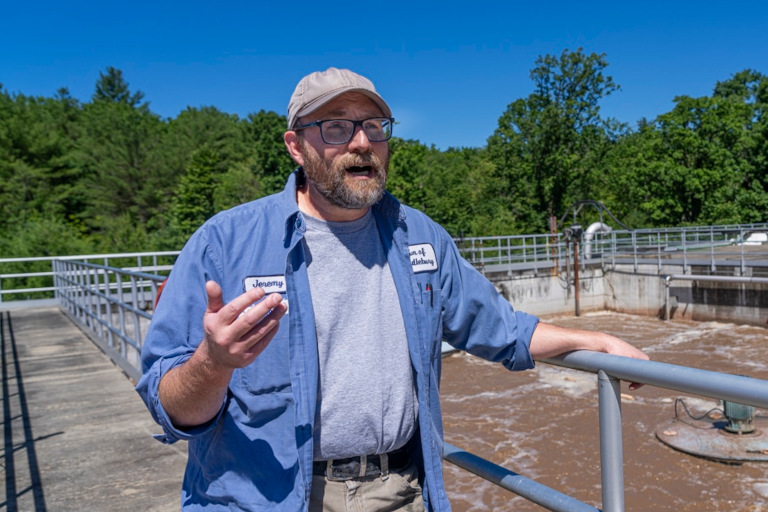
<point x="396" y="491"/>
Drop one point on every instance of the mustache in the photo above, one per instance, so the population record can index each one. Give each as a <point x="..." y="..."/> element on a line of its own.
<point x="356" y="160"/>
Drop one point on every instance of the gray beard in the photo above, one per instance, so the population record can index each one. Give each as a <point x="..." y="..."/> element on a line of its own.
<point x="330" y="180"/>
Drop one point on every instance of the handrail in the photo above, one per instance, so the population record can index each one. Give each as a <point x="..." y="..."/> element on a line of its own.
<point x="721" y="386"/>
<point x="610" y="370"/>
<point x="16" y="274"/>
<point x="110" y="305"/>
<point x="525" y="487"/>
<point x="491" y="255"/>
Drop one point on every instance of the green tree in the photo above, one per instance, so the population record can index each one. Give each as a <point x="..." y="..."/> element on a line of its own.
<point x="456" y="187"/>
<point x="195" y="128"/>
<point x="121" y="153"/>
<point x="408" y="167"/>
<point x="267" y="157"/>
<point x="193" y="203"/>
<point x="546" y="147"/>
<point x="238" y="185"/>
<point x="700" y="163"/>
<point x="112" y="88"/>
<point x="750" y="89"/>
<point x="38" y="174"/>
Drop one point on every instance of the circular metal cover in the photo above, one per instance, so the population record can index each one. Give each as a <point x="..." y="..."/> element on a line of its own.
<point x="708" y="438"/>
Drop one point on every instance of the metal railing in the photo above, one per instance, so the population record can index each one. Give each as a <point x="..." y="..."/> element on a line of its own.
<point x="31" y="279"/>
<point x="715" y="247"/>
<point x="515" y="252"/>
<point x="718" y="248"/>
<point x="111" y="305"/>
<point x="610" y="371"/>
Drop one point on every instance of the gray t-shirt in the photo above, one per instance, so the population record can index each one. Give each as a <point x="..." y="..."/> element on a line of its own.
<point x="366" y="396"/>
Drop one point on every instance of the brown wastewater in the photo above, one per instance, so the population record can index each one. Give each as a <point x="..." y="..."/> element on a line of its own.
<point x="543" y="423"/>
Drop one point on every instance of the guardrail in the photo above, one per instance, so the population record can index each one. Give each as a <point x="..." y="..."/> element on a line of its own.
<point x="688" y="246"/>
<point x="716" y="247"/>
<point x="31" y="279"/>
<point x="610" y="371"/>
<point x="110" y="305"/>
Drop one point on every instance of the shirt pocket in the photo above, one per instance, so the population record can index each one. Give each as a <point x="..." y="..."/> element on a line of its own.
<point x="270" y="372"/>
<point x="431" y="306"/>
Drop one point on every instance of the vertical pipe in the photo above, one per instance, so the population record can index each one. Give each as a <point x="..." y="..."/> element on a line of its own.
<point x="741" y="247"/>
<point x="611" y="449"/>
<point x="634" y="249"/>
<point x="658" y="251"/>
<point x="576" y="275"/>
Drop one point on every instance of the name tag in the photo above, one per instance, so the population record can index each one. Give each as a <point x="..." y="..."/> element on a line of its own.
<point x="422" y="257"/>
<point x="270" y="284"/>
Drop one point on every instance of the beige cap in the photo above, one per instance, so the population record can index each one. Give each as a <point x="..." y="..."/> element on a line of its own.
<point x="320" y="87"/>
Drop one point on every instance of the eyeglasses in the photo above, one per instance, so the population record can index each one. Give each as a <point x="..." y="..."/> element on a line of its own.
<point x="341" y="131"/>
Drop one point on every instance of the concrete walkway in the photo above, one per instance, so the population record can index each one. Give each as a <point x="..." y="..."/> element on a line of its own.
<point x="76" y="435"/>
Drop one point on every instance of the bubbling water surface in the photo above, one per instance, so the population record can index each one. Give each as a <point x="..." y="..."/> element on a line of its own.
<point x="543" y="423"/>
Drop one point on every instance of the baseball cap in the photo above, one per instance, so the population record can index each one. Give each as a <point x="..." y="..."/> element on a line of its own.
<point x="320" y="87"/>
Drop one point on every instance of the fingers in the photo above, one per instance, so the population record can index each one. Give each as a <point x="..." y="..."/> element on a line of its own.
<point x="264" y="330"/>
<point x="622" y="348"/>
<point x="215" y="302"/>
<point x="233" y="309"/>
<point x="254" y="329"/>
<point x="237" y="331"/>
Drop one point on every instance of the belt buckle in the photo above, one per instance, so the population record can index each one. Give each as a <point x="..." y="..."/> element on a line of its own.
<point x="342" y="474"/>
<point x="360" y="468"/>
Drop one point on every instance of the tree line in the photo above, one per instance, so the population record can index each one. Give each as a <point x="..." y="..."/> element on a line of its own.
<point x="109" y="175"/>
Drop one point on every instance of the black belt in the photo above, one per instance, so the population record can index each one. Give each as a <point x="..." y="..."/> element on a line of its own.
<point x="367" y="465"/>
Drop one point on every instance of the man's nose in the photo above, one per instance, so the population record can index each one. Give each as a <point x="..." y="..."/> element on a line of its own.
<point x="359" y="142"/>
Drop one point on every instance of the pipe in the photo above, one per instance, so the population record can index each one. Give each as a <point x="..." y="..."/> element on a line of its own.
<point x="611" y="445"/>
<point x="589" y="234"/>
<point x="528" y="489"/>
<point x="576" y="276"/>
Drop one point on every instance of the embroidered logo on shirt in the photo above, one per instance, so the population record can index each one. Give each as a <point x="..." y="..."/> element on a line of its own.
<point x="271" y="284"/>
<point x="422" y="257"/>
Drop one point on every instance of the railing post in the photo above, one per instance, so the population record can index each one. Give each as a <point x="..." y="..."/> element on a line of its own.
<point x="634" y="249"/>
<point x="658" y="250"/>
<point x="611" y="448"/>
<point x="741" y="247"/>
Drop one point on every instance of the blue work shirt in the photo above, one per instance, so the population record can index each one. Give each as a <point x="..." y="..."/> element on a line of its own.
<point x="257" y="453"/>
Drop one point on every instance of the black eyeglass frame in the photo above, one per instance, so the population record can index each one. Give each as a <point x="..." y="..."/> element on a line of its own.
<point x="355" y="124"/>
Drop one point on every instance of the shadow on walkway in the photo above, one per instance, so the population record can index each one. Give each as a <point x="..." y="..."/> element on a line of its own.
<point x="76" y="435"/>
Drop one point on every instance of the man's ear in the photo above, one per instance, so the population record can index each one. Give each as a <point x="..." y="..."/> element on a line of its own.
<point x="294" y="146"/>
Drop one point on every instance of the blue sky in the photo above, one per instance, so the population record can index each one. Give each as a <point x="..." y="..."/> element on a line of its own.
<point x="447" y="69"/>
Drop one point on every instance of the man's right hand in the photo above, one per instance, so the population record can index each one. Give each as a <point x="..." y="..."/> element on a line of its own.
<point x="237" y="332"/>
<point x="234" y="336"/>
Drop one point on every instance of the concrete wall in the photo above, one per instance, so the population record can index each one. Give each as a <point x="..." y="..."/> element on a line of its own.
<point x="548" y="293"/>
<point x="641" y="292"/>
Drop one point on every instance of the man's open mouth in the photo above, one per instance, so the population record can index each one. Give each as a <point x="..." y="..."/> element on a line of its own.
<point x="363" y="170"/>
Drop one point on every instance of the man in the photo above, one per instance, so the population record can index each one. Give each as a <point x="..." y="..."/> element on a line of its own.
<point x="298" y="344"/>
